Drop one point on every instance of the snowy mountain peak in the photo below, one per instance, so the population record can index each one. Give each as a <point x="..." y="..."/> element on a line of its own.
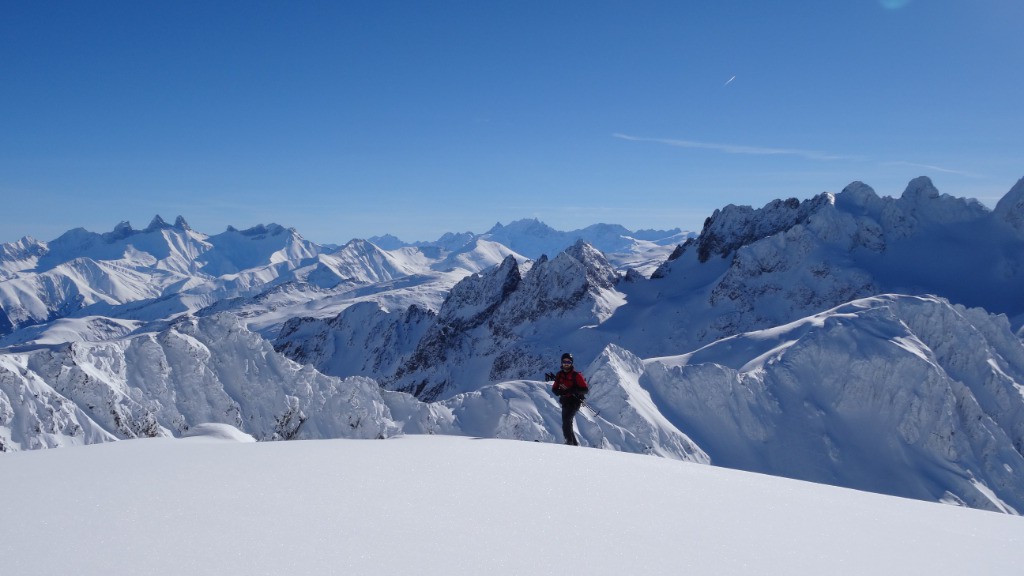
<point x="614" y="378"/>
<point x="475" y="297"/>
<point x="922" y="203"/>
<point x="451" y="240"/>
<point x="733" y="226"/>
<point x="157" y="223"/>
<point x="387" y="242"/>
<point x="533" y="238"/>
<point x="360" y="246"/>
<point x="235" y="250"/>
<point x="529" y="237"/>
<point x="482" y="324"/>
<point x="1010" y="208"/>
<point x="791" y="259"/>
<point x="522" y="226"/>
<point x="79" y="239"/>
<point x="21" y="250"/>
<point x="920" y="189"/>
<point x="363" y="262"/>
<point x="585" y="253"/>
<point x="858" y="194"/>
<point x="594" y="264"/>
<point x="121" y="231"/>
<point x="260" y="231"/>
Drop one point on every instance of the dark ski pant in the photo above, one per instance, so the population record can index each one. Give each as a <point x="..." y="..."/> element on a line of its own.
<point x="570" y="406"/>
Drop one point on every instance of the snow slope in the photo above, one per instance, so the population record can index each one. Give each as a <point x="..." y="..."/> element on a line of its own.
<point x="435" y="505"/>
<point x="214" y="370"/>
<point x="901" y="395"/>
<point x="909" y="396"/>
<point x="161" y="383"/>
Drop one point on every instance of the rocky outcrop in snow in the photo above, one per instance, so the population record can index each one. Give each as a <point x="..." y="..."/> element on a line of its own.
<point x="342" y="345"/>
<point x="480" y="323"/>
<point x="483" y="327"/>
<point x="1010" y="208"/>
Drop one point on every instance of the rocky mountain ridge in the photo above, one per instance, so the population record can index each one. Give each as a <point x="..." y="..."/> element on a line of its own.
<point x="849" y="339"/>
<point x="173" y="267"/>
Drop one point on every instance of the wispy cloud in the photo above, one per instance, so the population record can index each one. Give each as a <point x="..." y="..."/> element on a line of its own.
<point x="935" y="168"/>
<point x="737" y="149"/>
<point x="808" y="154"/>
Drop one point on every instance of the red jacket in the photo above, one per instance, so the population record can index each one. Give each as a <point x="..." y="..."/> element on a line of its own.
<point x="568" y="384"/>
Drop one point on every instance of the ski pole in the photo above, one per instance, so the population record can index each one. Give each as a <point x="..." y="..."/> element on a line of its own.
<point x="589" y="407"/>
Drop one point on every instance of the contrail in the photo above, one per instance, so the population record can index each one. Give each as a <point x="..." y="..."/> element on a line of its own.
<point x="935" y="168"/>
<point x="729" y="81"/>
<point x="736" y="149"/>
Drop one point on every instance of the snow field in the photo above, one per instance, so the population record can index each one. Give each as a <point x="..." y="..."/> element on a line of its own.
<point x="456" y="505"/>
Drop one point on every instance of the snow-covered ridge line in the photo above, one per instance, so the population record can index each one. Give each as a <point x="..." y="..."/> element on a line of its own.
<point x="767" y="332"/>
<point x="909" y="396"/>
<point x="213" y="370"/>
<point x="82" y="273"/>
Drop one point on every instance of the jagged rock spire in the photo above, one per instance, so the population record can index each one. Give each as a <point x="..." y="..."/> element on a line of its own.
<point x="157" y="223"/>
<point x="122" y="230"/>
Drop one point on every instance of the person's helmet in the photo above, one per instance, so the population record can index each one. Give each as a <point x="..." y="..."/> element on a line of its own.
<point x="567" y="356"/>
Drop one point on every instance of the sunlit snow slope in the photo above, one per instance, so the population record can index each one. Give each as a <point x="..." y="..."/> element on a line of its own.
<point x="448" y="506"/>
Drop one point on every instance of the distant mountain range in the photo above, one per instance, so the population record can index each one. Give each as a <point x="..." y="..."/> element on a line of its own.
<point x="166" y="269"/>
<point x="850" y="339"/>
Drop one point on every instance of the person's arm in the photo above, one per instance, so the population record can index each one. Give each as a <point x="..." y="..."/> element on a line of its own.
<point x="558" y="387"/>
<point x="581" y="385"/>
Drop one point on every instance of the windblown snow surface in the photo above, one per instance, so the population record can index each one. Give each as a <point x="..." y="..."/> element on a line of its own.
<point x="446" y="505"/>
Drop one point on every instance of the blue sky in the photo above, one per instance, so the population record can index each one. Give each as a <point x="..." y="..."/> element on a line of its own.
<point x="359" y="118"/>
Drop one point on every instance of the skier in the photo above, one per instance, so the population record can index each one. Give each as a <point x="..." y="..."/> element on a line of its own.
<point x="570" y="387"/>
